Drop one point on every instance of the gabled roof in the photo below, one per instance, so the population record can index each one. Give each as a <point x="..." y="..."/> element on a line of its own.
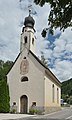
<point x="46" y="68"/>
<point x="38" y="59"/>
<point x="14" y="62"/>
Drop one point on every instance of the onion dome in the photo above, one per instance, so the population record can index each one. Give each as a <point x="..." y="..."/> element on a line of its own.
<point x="29" y="21"/>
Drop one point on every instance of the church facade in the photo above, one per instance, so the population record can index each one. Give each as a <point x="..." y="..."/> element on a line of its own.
<point x="31" y="83"/>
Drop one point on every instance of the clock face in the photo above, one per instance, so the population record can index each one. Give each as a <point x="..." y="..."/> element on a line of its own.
<point x="24" y="67"/>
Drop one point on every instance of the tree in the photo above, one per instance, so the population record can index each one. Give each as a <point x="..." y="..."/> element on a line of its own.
<point x="67" y="91"/>
<point x="60" y="14"/>
<point x="4" y="68"/>
<point x="43" y="60"/>
<point x="67" y="87"/>
<point x="69" y="100"/>
<point x="4" y="97"/>
<point x="4" y="89"/>
<point x="64" y="97"/>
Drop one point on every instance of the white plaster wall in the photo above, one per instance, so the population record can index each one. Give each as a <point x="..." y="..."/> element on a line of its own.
<point x="13" y="81"/>
<point x="29" y="32"/>
<point x="34" y="88"/>
<point x="48" y="93"/>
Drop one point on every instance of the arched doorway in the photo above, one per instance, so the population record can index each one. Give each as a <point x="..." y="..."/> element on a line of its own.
<point x="23" y="104"/>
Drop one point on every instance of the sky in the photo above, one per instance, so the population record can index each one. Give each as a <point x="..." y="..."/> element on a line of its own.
<point x="57" y="49"/>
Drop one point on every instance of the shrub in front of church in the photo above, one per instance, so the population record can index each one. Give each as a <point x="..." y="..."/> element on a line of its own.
<point x="13" y="111"/>
<point x="33" y="111"/>
<point x="4" y="97"/>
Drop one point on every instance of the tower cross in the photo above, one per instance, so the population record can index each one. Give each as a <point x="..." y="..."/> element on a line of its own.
<point x="29" y="7"/>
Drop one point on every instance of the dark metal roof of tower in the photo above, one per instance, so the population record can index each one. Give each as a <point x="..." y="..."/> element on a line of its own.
<point x="29" y="21"/>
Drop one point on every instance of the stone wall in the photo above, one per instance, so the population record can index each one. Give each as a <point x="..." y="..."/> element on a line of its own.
<point x="51" y="109"/>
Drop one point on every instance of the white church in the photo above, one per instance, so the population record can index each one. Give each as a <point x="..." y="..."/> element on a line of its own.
<point x="30" y="82"/>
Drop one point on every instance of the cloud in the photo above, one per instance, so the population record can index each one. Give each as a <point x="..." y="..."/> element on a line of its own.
<point x="58" y="50"/>
<point x="63" y="69"/>
<point x="9" y="29"/>
<point x="62" y="56"/>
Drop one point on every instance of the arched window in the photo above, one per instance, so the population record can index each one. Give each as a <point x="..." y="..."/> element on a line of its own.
<point x="57" y="95"/>
<point x="24" y="57"/>
<point x="33" y="41"/>
<point x="24" y="78"/>
<point x="14" y="103"/>
<point x="25" y="39"/>
<point x="53" y="91"/>
<point x="33" y="103"/>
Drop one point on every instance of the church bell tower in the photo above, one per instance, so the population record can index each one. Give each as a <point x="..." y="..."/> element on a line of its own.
<point x="27" y="37"/>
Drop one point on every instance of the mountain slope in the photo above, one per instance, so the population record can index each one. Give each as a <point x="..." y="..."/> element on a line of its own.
<point x="67" y="87"/>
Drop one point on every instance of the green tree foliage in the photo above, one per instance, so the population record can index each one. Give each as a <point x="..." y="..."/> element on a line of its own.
<point x="60" y="14"/>
<point x="43" y="60"/>
<point x="67" y="87"/>
<point x="4" y="89"/>
<point x="69" y="100"/>
<point x="4" y="68"/>
<point x="4" y="97"/>
<point x="67" y="91"/>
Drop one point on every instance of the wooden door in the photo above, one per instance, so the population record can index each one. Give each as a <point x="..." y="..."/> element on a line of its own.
<point x="24" y="104"/>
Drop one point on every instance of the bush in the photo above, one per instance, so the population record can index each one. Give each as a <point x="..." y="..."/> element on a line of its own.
<point x="13" y="111"/>
<point x="4" y="97"/>
<point x="32" y="111"/>
<point x="35" y="111"/>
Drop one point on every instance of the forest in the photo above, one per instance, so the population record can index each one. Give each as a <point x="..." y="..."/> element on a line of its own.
<point x="67" y="91"/>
